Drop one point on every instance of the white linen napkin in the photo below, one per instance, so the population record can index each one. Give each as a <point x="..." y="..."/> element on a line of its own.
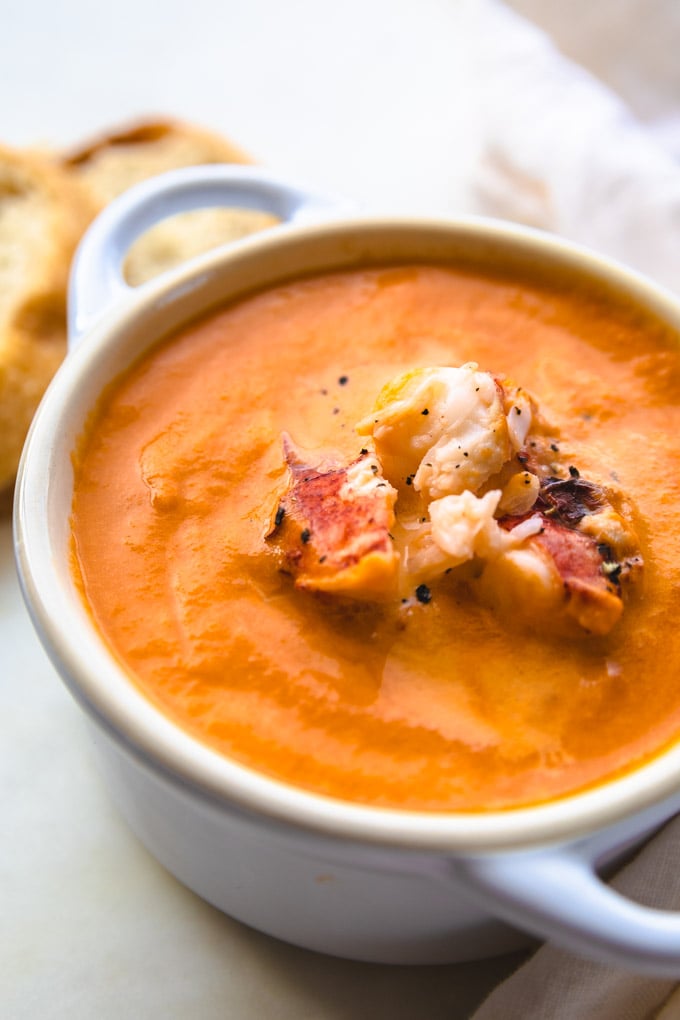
<point x="560" y="151"/>
<point x="556" y="985"/>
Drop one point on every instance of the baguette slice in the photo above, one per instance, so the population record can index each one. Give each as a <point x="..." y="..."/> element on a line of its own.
<point x="114" y="162"/>
<point x="43" y="213"/>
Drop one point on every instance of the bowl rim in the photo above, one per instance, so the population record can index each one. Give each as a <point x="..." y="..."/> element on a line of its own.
<point x="108" y="694"/>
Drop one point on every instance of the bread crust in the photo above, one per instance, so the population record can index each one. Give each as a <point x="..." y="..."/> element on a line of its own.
<point x="43" y="213"/>
<point x="113" y="162"/>
<point x="46" y="203"/>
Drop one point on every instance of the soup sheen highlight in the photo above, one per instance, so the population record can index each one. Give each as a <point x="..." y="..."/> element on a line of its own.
<point x="431" y="700"/>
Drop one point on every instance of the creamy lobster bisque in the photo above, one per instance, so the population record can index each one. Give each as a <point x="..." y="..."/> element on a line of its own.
<point x="429" y="697"/>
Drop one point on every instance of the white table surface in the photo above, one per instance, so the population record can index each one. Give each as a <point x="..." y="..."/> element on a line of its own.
<point x="368" y="98"/>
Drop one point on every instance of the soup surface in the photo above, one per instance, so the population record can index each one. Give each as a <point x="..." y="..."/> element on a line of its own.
<point x="431" y="700"/>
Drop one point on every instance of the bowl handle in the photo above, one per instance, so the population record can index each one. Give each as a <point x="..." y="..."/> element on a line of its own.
<point x="97" y="283"/>
<point x="557" y="895"/>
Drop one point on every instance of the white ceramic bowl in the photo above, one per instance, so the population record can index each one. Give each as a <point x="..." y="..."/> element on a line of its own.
<point x="366" y="883"/>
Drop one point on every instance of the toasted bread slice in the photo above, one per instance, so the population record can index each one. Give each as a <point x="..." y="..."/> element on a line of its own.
<point x="46" y="203"/>
<point x="43" y="213"/>
<point x="114" y="162"/>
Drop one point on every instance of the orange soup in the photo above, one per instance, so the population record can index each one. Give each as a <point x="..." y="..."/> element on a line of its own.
<point x="427" y="696"/>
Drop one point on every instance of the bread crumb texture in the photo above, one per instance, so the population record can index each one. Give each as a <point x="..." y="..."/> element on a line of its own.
<point x="43" y="212"/>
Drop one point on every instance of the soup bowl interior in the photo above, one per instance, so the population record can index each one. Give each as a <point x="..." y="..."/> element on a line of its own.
<point x="93" y="674"/>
